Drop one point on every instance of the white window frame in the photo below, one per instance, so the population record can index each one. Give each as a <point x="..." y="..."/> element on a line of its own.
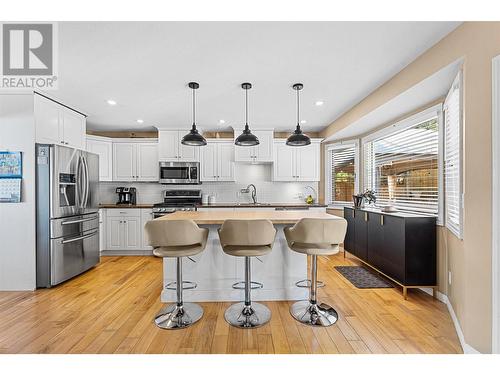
<point x="408" y="122"/>
<point x="328" y="167"/>
<point x="459" y="232"/>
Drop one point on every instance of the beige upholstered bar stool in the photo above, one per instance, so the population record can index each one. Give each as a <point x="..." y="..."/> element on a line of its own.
<point x="247" y="238"/>
<point x="177" y="239"/>
<point x="315" y="237"/>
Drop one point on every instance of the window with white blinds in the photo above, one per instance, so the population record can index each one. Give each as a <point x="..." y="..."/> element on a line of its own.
<point x="402" y="165"/>
<point x="342" y="159"/>
<point x="452" y="159"/>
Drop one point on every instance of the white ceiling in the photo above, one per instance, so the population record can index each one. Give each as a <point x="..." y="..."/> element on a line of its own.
<point x="145" y="67"/>
<point x="430" y="89"/>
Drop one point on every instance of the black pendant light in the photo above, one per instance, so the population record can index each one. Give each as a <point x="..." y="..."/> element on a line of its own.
<point x="298" y="138"/>
<point x="246" y="138"/>
<point x="193" y="138"/>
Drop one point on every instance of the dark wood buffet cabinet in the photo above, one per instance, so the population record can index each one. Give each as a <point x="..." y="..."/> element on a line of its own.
<point x="398" y="245"/>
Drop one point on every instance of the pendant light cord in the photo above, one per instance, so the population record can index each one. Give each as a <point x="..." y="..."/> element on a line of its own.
<point x="246" y="107"/>
<point x="298" y="108"/>
<point x="194" y="107"/>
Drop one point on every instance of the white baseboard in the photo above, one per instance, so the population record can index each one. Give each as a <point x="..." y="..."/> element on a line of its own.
<point x="444" y="298"/>
<point x="126" y="252"/>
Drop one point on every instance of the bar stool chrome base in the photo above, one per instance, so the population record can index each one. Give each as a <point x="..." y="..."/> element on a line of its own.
<point x="242" y="285"/>
<point x="321" y="315"/>
<point x="174" y="316"/>
<point x="306" y="283"/>
<point x="242" y="316"/>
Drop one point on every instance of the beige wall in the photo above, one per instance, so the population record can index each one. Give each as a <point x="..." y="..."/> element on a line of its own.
<point x="469" y="260"/>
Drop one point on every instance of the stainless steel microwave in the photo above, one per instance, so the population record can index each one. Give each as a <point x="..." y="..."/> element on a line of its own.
<point x="179" y="173"/>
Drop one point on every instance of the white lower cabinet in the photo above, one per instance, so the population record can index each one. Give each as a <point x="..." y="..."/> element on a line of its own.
<point x="146" y="215"/>
<point x="114" y="233"/>
<point x="123" y="229"/>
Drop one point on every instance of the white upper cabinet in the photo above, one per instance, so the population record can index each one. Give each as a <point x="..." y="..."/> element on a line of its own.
<point x="262" y="153"/>
<point x="74" y="127"/>
<point x="225" y="162"/>
<point x="135" y="161"/>
<point x="217" y="160"/>
<point x="208" y="162"/>
<point x="171" y="149"/>
<point x="57" y="124"/>
<point x="147" y="161"/>
<point x="168" y="145"/>
<point x="124" y="162"/>
<point x="47" y="121"/>
<point x="296" y="163"/>
<point x="284" y="162"/>
<point x="188" y="153"/>
<point x="307" y="162"/>
<point x="103" y="147"/>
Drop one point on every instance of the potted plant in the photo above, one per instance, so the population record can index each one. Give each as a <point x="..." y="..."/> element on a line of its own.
<point x="368" y="196"/>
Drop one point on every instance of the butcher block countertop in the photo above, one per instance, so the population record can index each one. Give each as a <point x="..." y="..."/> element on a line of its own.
<point x="218" y="217"/>
<point x="260" y="205"/>
<point x="114" y="205"/>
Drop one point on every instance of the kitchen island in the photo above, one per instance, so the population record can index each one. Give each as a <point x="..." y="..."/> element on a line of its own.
<point x="215" y="272"/>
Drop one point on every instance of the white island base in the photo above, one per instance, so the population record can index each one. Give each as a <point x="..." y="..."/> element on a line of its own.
<point x="215" y="272"/>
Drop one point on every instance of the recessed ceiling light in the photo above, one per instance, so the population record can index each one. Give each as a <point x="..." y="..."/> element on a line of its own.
<point x="140" y="121"/>
<point x="303" y="121"/>
<point x="111" y="102"/>
<point x="319" y="103"/>
<point x="222" y="121"/>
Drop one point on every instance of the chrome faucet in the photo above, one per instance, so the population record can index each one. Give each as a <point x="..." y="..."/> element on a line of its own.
<point x="254" y="192"/>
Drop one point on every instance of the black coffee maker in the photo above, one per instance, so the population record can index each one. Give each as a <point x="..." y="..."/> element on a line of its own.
<point x="126" y="195"/>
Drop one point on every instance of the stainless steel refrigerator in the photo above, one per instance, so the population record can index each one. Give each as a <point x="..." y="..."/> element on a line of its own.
<point x="67" y="218"/>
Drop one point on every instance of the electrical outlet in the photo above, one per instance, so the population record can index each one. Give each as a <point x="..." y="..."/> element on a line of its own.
<point x="449" y="277"/>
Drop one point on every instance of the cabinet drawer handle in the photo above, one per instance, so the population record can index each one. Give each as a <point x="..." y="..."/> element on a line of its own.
<point x="366" y="216"/>
<point x="79" y="238"/>
<point x="381" y="219"/>
<point x="79" y="221"/>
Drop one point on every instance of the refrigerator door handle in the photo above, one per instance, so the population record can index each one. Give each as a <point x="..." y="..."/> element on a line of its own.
<point x="87" y="182"/>
<point x="78" y="183"/>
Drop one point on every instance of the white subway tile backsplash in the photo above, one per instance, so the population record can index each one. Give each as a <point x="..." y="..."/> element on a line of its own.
<point x="225" y="192"/>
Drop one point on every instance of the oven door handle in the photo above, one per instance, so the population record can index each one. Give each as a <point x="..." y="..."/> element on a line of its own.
<point x="80" y="238"/>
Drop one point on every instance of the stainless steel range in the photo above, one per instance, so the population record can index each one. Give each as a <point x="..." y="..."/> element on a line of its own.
<point x="177" y="200"/>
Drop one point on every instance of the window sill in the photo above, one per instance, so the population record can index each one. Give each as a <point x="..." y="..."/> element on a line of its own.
<point x="338" y="206"/>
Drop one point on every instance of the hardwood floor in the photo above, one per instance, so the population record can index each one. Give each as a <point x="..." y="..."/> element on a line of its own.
<point x="110" y="310"/>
